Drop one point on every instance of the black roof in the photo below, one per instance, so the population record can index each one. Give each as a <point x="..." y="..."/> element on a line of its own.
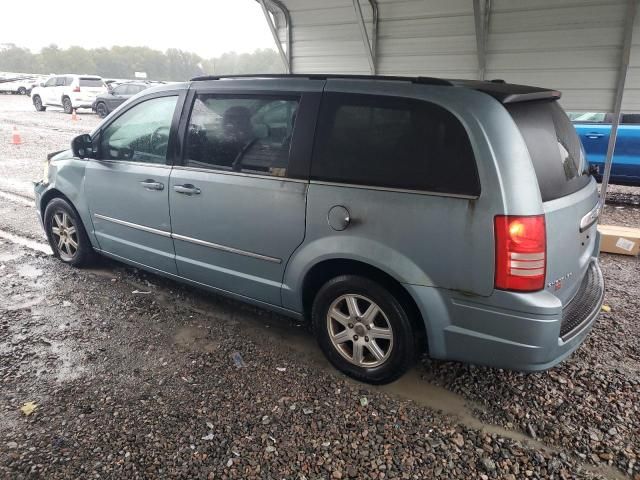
<point x="498" y="89"/>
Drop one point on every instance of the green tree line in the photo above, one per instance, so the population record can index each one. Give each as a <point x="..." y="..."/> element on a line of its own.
<point x="122" y="62"/>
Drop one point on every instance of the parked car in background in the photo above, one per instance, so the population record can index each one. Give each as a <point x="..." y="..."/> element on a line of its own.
<point x="106" y="103"/>
<point x="594" y="128"/>
<point x="68" y="91"/>
<point x="20" y="85"/>
<point x="396" y="215"/>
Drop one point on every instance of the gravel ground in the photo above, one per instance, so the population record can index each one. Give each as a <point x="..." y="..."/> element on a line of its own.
<point x="130" y="384"/>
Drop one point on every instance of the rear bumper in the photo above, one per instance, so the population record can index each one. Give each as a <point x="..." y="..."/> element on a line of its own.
<point x="526" y="332"/>
<point x="82" y="102"/>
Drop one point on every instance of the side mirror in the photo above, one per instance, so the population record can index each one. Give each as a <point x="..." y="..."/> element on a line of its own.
<point x="82" y="146"/>
<point x="42" y="84"/>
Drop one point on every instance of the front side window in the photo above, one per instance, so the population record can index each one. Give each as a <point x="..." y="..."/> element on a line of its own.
<point x="250" y="134"/>
<point x="61" y="81"/>
<point x="630" y="119"/>
<point x="393" y="142"/>
<point x="51" y="82"/>
<point x="141" y="134"/>
<point x="120" y="90"/>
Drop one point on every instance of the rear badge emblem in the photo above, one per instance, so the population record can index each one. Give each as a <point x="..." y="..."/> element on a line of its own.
<point x="557" y="284"/>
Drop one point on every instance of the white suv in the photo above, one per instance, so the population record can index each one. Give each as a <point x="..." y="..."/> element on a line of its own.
<point x="68" y="91"/>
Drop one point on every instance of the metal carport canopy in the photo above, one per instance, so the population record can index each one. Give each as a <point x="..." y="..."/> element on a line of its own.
<point x="587" y="49"/>
<point x="575" y="46"/>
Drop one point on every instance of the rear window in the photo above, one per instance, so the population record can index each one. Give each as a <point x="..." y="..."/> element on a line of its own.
<point x="393" y="142"/>
<point x="91" y="82"/>
<point x="554" y="146"/>
<point x="133" y="89"/>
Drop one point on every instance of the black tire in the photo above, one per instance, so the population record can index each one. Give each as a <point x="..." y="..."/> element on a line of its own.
<point x="405" y="343"/>
<point x="67" y="105"/>
<point x="22" y="91"/>
<point x="37" y="103"/>
<point x="84" y="253"/>
<point x="102" y="110"/>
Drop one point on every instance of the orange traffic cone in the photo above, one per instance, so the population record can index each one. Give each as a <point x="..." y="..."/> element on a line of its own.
<point x="74" y="117"/>
<point x="15" y="137"/>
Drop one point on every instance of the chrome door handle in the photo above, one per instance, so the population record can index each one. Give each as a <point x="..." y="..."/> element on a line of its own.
<point x="150" y="184"/>
<point x="187" y="189"/>
<point x="595" y="135"/>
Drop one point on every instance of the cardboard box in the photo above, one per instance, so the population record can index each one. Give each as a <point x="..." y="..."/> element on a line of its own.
<point x="622" y="240"/>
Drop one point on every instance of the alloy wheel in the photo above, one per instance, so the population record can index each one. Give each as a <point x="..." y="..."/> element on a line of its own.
<point x="359" y="330"/>
<point x="65" y="235"/>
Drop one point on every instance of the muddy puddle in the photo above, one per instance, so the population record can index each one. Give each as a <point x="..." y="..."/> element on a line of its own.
<point x="195" y="338"/>
<point x="28" y="271"/>
<point x="21" y="301"/>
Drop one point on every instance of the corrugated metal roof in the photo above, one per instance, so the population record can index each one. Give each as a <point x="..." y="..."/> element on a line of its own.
<point x="574" y="46"/>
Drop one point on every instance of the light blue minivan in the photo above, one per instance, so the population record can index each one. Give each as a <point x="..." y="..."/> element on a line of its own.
<point x="395" y="214"/>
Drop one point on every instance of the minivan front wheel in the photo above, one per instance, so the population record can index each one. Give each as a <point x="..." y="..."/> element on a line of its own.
<point x="66" y="234"/>
<point x="363" y="329"/>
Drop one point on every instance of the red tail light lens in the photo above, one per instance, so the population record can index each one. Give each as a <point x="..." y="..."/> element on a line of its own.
<point x="77" y="89"/>
<point x="520" y="252"/>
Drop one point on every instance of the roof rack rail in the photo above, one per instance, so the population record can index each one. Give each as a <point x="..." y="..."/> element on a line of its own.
<point x="497" y="88"/>
<point x="315" y="76"/>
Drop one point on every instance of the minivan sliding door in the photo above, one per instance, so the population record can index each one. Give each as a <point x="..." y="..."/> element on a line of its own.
<point x="238" y="201"/>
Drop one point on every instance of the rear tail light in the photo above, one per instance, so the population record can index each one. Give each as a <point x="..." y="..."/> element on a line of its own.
<point x="520" y="252"/>
<point x="77" y="89"/>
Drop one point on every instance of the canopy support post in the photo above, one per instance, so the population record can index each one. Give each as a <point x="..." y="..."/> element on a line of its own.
<point x="369" y="45"/>
<point x="481" y="20"/>
<point x="286" y="57"/>
<point x="617" y="104"/>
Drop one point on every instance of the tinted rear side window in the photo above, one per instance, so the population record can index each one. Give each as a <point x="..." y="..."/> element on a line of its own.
<point x="91" y="82"/>
<point x="554" y="147"/>
<point x="393" y="142"/>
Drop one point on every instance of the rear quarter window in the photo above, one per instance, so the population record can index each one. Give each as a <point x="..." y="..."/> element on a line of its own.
<point x="393" y="142"/>
<point x="554" y="146"/>
<point x="91" y="82"/>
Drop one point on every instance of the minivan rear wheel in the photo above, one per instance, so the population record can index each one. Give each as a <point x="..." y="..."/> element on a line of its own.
<point x="66" y="234"/>
<point x="363" y="329"/>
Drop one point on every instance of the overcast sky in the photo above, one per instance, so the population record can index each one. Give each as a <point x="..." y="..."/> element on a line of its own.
<point x="205" y="27"/>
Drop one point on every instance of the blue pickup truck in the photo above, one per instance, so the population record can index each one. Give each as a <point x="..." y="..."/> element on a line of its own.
<point x="594" y="129"/>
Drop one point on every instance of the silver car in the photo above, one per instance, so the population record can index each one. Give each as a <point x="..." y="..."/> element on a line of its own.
<point x="397" y="215"/>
